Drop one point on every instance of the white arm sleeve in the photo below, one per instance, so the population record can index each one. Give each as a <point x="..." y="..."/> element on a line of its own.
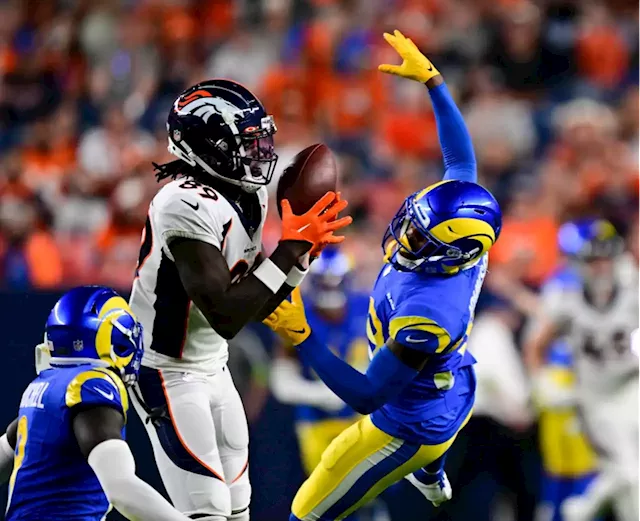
<point x="115" y="468"/>
<point x="6" y="459"/>
<point x="288" y="386"/>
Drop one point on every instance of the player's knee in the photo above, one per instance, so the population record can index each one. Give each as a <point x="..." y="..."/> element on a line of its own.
<point x="210" y="503"/>
<point x="240" y="495"/>
<point x="239" y="515"/>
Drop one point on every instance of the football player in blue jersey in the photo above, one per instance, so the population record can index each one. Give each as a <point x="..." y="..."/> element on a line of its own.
<point x="65" y="453"/>
<point x="568" y="460"/>
<point x="338" y="315"/>
<point x="418" y="391"/>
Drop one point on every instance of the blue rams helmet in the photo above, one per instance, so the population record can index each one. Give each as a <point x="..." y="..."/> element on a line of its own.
<point x="93" y="325"/>
<point x="443" y="228"/>
<point x="588" y="239"/>
<point x="329" y="279"/>
<point x="220" y="127"/>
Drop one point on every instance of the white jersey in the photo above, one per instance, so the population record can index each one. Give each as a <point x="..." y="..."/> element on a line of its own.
<point x="600" y="338"/>
<point x="177" y="335"/>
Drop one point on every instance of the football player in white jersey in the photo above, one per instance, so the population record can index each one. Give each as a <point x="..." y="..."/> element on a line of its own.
<point x="596" y="315"/>
<point x="201" y="278"/>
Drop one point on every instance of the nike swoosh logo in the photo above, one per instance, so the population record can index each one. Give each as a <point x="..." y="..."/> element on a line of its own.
<point x="107" y="396"/>
<point x="430" y="67"/>
<point x="415" y="340"/>
<point x="194" y="206"/>
<point x="304" y="228"/>
<point x="298" y="331"/>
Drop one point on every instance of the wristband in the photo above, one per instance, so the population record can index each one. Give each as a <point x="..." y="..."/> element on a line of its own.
<point x="296" y="276"/>
<point x="270" y="275"/>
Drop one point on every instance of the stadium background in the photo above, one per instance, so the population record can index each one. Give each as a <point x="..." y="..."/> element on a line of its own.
<point x="548" y="88"/>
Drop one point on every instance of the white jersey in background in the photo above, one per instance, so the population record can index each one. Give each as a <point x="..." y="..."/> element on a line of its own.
<point x="600" y="337"/>
<point x="177" y="335"/>
<point x="607" y="388"/>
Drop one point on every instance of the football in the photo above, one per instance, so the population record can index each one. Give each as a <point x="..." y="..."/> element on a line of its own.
<point x="311" y="174"/>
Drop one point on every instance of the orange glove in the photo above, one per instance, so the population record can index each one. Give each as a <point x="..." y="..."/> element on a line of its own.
<point x="317" y="225"/>
<point x="315" y="252"/>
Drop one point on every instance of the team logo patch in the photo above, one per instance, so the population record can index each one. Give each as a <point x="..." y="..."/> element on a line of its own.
<point x="180" y="104"/>
<point x="204" y="105"/>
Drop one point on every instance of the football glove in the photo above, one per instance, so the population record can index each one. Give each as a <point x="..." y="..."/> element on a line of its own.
<point x="438" y="492"/>
<point x="289" y="319"/>
<point x="415" y="65"/>
<point x="318" y="224"/>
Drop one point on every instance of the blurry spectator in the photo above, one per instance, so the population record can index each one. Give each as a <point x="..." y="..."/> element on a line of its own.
<point x="518" y="50"/>
<point x="502" y="128"/>
<point x="498" y="432"/>
<point x="503" y="392"/>
<point x="30" y="257"/>
<point x="528" y="234"/>
<point x="118" y="243"/>
<point x="107" y="153"/>
<point x="245" y="57"/>
<point x="601" y="53"/>
<point x="50" y="153"/>
<point x="408" y="125"/>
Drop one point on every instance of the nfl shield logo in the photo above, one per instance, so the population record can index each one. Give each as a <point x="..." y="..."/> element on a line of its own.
<point x="177" y="135"/>
<point x="78" y="345"/>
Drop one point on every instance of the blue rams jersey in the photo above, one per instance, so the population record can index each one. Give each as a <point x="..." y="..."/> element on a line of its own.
<point x="51" y="478"/>
<point x="433" y="314"/>
<point x="347" y="339"/>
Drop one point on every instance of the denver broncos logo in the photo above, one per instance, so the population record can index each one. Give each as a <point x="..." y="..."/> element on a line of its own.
<point x="203" y="104"/>
<point x="180" y="104"/>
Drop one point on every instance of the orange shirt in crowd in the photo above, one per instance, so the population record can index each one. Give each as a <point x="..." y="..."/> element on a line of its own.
<point x="602" y="56"/>
<point x="44" y="260"/>
<point x="353" y="103"/>
<point x="411" y="133"/>
<point x="534" y="241"/>
<point x="46" y="167"/>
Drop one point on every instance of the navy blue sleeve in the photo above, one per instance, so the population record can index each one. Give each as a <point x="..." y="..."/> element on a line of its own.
<point x="385" y="377"/>
<point x="455" y="141"/>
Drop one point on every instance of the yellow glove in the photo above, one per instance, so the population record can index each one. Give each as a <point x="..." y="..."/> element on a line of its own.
<point x="415" y="65"/>
<point x="289" y="320"/>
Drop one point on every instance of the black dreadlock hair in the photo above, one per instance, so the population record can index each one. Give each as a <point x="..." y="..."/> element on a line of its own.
<point x="179" y="168"/>
<point x="174" y="169"/>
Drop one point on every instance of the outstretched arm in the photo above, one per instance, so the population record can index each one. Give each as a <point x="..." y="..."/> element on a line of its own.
<point x="455" y="142"/>
<point x="392" y="368"/>
<point x="390" y="371"/>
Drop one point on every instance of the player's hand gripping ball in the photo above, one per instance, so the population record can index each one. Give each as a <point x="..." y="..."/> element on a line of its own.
<point x="310" y="177"/>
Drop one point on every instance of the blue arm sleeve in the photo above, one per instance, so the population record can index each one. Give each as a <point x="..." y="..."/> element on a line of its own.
<point x="384" y="379"/>
<point x="455" y="141"/>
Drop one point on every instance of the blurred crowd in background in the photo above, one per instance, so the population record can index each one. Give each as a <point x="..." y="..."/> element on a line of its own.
<point x="548" y="88"/>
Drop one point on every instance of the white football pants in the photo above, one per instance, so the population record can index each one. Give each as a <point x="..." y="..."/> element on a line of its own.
<point x="198" y="430"/>
<point x="611" y="423"/>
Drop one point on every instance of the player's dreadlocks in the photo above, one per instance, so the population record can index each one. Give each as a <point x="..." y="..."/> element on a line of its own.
<point x="179" y="168"/>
